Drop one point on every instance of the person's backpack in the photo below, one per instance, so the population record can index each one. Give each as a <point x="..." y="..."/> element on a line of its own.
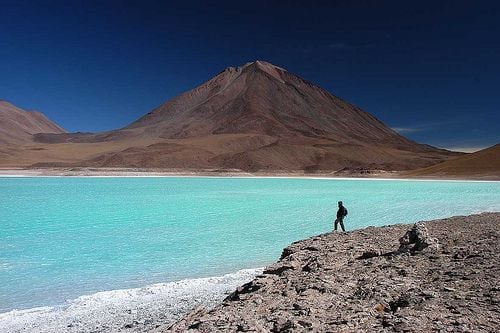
<point x="345" y="211"/>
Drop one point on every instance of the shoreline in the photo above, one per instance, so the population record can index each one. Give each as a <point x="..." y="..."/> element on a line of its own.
<point x="442" y="275"/>
<point x="138" y="173"/>
<point x="134" y="310"/>
<point x="162" y="307"/>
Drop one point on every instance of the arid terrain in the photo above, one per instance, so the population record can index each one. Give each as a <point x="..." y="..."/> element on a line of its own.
<point x="254" y="118"/>
<point x="483" y="164"/>
<point x="18" y="126"/>
<point x="438" y="276"/>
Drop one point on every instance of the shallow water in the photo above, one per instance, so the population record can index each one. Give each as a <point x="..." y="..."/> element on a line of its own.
<point x="61" y="238"/>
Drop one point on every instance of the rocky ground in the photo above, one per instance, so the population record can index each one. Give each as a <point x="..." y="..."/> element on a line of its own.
<point x="440" y="276"/>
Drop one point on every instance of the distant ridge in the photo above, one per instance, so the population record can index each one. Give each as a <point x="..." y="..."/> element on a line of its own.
<point x="481" y="164"/>
<point x="17" y="126"/>
<point x="255" y="117"/>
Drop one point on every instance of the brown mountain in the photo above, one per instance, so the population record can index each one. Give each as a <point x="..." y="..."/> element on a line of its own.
<point x="259" y="98"/>
<point x="254" y="117"/>
<point x="18" y="126"/>
<point x="481" y="164"/>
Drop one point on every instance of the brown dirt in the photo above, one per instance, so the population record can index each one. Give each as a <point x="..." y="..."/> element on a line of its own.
<point x="483" y="164"/>
<point x="17" y="126"/>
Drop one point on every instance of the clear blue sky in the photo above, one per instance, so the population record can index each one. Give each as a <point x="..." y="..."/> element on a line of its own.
<point x="429" y="68"/>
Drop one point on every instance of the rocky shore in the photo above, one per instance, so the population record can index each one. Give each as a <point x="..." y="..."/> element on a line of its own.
<point x="439" y="276"/>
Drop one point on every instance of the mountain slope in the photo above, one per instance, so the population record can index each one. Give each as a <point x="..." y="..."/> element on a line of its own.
<point x="18" y="126"/>
<point x="260" y="98"/>
<point x="254" y="117"/>
<point x="484" y="163"/>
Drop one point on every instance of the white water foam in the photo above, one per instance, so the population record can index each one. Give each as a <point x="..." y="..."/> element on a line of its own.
<point x="127" y="310"/>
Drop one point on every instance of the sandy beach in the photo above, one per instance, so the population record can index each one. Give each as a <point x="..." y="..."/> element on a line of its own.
<point x="140" y="172"/>
<point x="143" y="172"/>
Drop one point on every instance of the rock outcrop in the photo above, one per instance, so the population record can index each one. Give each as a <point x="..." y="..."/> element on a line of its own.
<point x="441" y="276"/>
<point x="417" y="239"/>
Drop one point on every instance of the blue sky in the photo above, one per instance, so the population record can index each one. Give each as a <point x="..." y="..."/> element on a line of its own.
<point x="430" y="69"/>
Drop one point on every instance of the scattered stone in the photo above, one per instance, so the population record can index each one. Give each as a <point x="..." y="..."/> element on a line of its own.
<point x="369" y="254"/>
<point x="401" y="302"/>
<point x="282" y="325"/>
<point x="278" y="269"/>
<point x="244" y="289"/>
<point x="417" y="239"/>
<point x="418" y="284"/>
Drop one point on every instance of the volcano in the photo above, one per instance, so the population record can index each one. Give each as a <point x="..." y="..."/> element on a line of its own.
<point x="260" y="98"/>
<point x="254" y="117"/>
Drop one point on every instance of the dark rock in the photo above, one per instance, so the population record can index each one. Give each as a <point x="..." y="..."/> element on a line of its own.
<point x="401" y="302"/>
<point x="279" y="268"/>
<point x="311" y="266"/>
<point x="417" y="239"/>
<point x="244" y="289"/>
<point x="283" y="326"/>
<point x="243" y="328"/>
<point x="286" y="252"/>
<point x="369" y="254"/>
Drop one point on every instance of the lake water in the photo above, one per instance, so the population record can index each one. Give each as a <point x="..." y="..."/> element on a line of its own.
<point x="61" y="238"/>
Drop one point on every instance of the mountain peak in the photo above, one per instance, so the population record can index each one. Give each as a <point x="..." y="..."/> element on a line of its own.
<point x="264" y="99"/>
<point x="262" y="64"/>
<point x="265" y="67"/>
<point x="257" y="64"/>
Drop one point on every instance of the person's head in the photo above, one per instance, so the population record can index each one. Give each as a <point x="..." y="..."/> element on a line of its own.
<point x="340" y="203"/>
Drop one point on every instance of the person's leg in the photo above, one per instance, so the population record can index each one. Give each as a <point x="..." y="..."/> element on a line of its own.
<point x="342" y="224"/>
<point x="335" y="225"/>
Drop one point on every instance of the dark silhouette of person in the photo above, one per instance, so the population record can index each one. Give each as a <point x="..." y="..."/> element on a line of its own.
<point x="341" y="213"/>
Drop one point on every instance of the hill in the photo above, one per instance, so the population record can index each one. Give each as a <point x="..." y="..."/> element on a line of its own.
<point x="481" y="164"/>
<point x="17" y="126"/>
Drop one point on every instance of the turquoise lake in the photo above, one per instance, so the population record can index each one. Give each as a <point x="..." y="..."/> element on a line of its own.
<point x="64" y="237"/>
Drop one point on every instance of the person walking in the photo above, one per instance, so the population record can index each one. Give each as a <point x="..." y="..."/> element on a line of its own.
<point x="341" y="213"/>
